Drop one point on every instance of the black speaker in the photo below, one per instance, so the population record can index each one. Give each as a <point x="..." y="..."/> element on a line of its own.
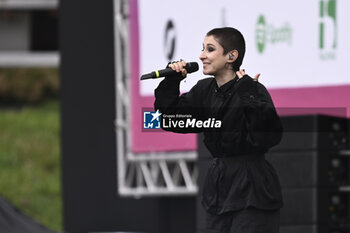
<point x="313" y="132"/>
<point x="312" y="170"/>
<point x="320" y="206"/>
<point x="303" y="229"/>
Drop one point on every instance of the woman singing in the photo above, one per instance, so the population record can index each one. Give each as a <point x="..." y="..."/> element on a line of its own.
<point x="241" y="193"/>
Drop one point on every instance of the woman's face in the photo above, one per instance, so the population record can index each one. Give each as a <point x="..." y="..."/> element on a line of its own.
<point x="212" y="56"/>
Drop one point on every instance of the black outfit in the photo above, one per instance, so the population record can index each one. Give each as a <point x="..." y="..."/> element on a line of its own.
<point x="249" y="220"/>
<point x="239" y="179"/>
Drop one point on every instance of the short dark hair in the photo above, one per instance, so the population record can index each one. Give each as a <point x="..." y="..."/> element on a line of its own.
<point x="230" y="39"/>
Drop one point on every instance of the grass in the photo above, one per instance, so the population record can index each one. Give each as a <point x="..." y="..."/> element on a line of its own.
<point x="30" y="161"/>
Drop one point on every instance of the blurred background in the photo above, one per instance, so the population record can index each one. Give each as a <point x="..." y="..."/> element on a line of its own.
<point x="74" y="156"/>
<point x="29" y="109"/>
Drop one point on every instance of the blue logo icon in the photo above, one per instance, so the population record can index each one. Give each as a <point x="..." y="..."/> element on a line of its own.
<point x="151" y="120"/>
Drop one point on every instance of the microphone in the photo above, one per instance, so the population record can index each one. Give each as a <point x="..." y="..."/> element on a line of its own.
<point x="190" y="68"/>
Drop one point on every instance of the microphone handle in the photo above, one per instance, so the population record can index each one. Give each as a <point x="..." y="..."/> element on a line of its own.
<point x="151" y="75"/>
<point x="158" y="74"/>
<point x="190" y="67"/>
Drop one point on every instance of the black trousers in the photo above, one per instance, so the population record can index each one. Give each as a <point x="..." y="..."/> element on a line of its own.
<point x="250" y="220"/>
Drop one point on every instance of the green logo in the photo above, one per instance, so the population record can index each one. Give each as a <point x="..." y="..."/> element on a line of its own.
<point x="328" y="29"/>
<point x="266" y="33"/>
<point x="260" y="34"/>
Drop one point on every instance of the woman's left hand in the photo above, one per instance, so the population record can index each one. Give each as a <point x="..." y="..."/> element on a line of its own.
<point x="241" y="73"/>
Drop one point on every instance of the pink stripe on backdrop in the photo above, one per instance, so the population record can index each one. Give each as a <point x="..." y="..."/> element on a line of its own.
<point x="288" y="101"/>
<point x="329" y="100"/>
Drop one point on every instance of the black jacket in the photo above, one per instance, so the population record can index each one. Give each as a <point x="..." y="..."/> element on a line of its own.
<point x="239" y="176"/>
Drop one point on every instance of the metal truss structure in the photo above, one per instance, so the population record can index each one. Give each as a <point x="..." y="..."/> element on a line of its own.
<point x="147" y="174"/>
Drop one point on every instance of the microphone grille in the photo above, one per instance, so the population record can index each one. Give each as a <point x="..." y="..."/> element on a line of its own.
<point x="192" y="67"/>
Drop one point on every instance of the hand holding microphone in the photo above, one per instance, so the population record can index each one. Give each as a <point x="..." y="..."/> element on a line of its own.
<point x="173" y="69"/>
<point x="179" y="67"/>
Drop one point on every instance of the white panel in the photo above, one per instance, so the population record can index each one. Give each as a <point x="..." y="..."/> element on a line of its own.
<point x="291" y="56"/>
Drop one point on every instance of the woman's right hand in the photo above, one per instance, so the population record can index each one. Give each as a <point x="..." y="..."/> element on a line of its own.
<point x="179" y="67"/>
<point x="241" y="73"/>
